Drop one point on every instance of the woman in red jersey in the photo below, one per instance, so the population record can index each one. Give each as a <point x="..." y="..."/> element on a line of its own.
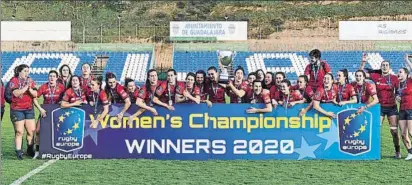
<point x="364" y="91"/>
<point x="259" y="95"/>
<point x="250" y="79"/>
<point x="65" y="74"/>
<point x="117" y="94"/>
<point x="86" y="77"/>
<point x="346" y="94"/>
<point x="236" y="90"/>
<point x="306" y="91"/>
<point x="260" y="75"/>
<point x="201" y="84"/>
<point x="52" y="93"/>
<point x="405" y="113"/>
<point x="189" y="94"/>
<point x="275" y="89"/>
<point x="287" y="97"/>
<point x="146" y="94"/>
<point x="132" y="89"/>
<point x="21" y="108"/>
<point x="165" y="93"/>
<point x="98" y="100"/>
<point x="215" y="90"/>
<point x="317" y="69"/>
<point x="325" y="94"/>
<point x="386" y="86"/>
<point x="269" y="81"/>
<point x="74" y="95"/>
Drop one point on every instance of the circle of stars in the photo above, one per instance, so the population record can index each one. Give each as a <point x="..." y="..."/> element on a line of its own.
<point x="73" y="128"/>
<point x="357" y="132"/>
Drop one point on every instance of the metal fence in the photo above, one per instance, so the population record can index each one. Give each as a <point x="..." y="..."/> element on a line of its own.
<point x="126" y="33"/>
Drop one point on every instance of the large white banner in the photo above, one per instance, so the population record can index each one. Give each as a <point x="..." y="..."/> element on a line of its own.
<point x="375" y="30"/>
<point x="35" y="30"/>
<point x="221" y="30"/>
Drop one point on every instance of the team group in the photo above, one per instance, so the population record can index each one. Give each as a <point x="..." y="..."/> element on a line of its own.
<point x="316" y="86"/>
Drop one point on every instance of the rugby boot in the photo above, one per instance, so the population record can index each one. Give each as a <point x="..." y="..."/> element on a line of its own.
<point x="19" y="154"/>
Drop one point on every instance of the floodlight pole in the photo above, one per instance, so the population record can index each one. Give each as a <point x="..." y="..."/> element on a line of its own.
<point x="118" y="17"/>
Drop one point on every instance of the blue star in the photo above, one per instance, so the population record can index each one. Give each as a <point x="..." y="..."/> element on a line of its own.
<point x="305" y="150"/>
<point x="331" y="136"/>
<point x="93" y="132"/>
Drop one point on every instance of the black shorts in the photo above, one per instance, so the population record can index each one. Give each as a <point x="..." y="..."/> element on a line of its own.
<point x="20" y="115"/>
<point x="405" y="115"/>
<point x="389" y="111"/>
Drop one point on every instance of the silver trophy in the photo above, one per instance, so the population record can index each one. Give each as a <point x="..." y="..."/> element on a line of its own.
<point x="226" y="72"/>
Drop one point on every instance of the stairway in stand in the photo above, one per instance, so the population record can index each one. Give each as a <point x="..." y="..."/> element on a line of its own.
<point x="164" y="56"/>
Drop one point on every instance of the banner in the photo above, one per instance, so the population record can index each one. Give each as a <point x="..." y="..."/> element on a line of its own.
<point x="208" y="30"/>
<point x="393" y="46"/>
<point x="222" y="132"/>
<point x="375" y="30"/>
<point x="36" y="31"/>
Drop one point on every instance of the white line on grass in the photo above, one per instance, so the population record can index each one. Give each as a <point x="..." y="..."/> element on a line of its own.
<point x="33" y="172"/>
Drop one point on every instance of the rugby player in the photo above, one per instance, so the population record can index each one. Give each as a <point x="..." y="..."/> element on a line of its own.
<point x="23" y="90"/>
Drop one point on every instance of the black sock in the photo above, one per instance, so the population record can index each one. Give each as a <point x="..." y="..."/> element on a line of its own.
<point x="37" y="148"/>
<point x="397" y="148"/>
<point x="410" y="150"/>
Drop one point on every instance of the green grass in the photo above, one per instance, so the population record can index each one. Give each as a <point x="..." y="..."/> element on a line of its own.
<point x="139" y="171"/>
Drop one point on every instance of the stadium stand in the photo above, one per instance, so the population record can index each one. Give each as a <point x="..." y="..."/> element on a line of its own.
<point x="123" y="64"/>
<point x="292" y="63"/>
<point x="136" y="64"/>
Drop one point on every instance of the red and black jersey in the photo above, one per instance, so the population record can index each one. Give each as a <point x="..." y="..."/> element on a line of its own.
<point x="25" y="101"/>
<point x="263" y="97"/>
<point x="274" y="92"/>
<point x="2" y="99"/>
<point x="85" y="82"/>
<point x="233" y="97"/>
<point x="249" y="92"/>
<point x="292" y="97"/>
<point x="203" y="93"/>
<point x="99" y="99"/>
<point x="51" y="95"/>
<point x="134" y="95"/>
<point x="268" y="86"/>
<point x="117" y="94"/>
<point x="195" y="91"/>
<point x="316" y="73"/>
<point x="405" y="91"/>
<point x="147" y="94"/>
<point x="386" y="86"/>
<point x="324" y="95"/>
<point x="72" y="95"/>
<point x="65" y="83"/>
<point x="307" y="92"/>
<point x="216" y="92"/>
<point x="345" y="92"/>
<point x="166" y="91"/>
<point x="364" y="92"/>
